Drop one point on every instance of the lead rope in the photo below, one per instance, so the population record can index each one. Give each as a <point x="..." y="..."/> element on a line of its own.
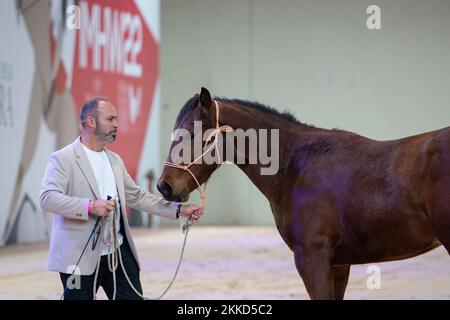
<point x="116" y="256"/>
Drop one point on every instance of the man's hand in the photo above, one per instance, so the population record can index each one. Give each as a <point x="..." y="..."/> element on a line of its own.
<point x="102" y="207"/>
<point x="191" y="210"/>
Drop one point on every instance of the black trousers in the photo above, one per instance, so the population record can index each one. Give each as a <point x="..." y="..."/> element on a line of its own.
<point x="105" y="278"/>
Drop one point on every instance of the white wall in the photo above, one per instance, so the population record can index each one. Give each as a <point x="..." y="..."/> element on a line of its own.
<point x="316" y="59"/>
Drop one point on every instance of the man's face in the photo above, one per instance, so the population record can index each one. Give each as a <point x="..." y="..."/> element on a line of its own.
<point x="106" y="124"/>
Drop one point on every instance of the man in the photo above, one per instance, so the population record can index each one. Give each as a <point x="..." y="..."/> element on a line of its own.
<point x="77" y="185"/>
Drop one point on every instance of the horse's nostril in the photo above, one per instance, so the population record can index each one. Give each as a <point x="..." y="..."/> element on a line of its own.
<point x="165" y="189"/>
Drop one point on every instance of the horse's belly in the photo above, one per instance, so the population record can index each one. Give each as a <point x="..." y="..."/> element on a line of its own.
<point x="347" y="256"/>
<point x="401" y="239"/>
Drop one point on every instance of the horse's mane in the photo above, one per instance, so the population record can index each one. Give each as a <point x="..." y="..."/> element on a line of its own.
<point x="285" y="115"/>
<point x="188" y="107"/>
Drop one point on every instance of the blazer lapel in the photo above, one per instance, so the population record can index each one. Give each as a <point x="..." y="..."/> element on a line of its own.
<point x="85" y="166"/>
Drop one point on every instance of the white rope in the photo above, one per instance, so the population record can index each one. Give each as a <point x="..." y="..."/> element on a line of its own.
<point x="115" y="258"/>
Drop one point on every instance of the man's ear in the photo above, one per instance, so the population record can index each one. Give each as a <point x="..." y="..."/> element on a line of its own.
<point x="90" y="121"/>
<point x="205" y="98"/>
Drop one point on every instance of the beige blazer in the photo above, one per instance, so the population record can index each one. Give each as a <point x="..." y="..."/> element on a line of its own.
<point x="67" y="186"/>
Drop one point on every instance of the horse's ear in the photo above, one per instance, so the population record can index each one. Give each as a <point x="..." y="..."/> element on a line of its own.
<point x="205" y="98"/>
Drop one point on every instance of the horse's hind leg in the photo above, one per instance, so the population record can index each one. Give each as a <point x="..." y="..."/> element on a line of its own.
<point x="438" y="199"/>
<point x="440" y="219"/>
<point x="340" y="277"/>
<point x="440" y="223"/>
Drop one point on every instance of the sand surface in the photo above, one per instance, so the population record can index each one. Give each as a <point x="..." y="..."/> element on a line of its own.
<point x="227" y="263"/>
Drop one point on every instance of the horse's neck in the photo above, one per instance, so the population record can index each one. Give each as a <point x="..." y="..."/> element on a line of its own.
<point x="239" y="117"/>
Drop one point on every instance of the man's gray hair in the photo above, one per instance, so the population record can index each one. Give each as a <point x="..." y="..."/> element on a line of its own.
<point x="90" y="108"/>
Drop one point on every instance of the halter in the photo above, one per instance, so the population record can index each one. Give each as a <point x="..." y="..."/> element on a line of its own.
<point x="215" y="133"/>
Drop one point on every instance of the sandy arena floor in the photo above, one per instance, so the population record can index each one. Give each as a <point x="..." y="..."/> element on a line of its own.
<point x="227" y="263"/>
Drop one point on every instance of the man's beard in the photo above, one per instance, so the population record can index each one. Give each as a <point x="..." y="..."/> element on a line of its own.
<point x="105" y="137"/>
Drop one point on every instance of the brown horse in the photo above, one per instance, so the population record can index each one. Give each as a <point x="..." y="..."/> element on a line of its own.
<point x="338" y="198"/>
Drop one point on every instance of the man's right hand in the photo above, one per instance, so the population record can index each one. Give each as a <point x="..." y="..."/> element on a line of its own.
<point x="102" y="207"/>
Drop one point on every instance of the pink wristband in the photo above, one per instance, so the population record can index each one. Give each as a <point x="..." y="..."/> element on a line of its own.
<point x="90" y="207"/>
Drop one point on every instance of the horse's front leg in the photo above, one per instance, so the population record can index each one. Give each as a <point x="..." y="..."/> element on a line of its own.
<point x="340" y="280"/>
<point x="313" y="263"/>
<point x="316" y="232"/>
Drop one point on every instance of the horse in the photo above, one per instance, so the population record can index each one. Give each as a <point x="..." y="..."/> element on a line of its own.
<point x="338" y="198"/>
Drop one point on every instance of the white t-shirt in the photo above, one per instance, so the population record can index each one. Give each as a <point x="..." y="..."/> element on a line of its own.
<point x="107" y="187"/>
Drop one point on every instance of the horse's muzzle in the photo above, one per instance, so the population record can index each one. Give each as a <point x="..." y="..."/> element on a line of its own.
<point x="166" y="190"/>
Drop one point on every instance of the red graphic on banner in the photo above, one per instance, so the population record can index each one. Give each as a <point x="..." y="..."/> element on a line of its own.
<point x="116" y="56"/>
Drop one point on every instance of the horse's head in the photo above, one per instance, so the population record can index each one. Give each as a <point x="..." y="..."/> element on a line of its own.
<point x="181" y="175"/>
